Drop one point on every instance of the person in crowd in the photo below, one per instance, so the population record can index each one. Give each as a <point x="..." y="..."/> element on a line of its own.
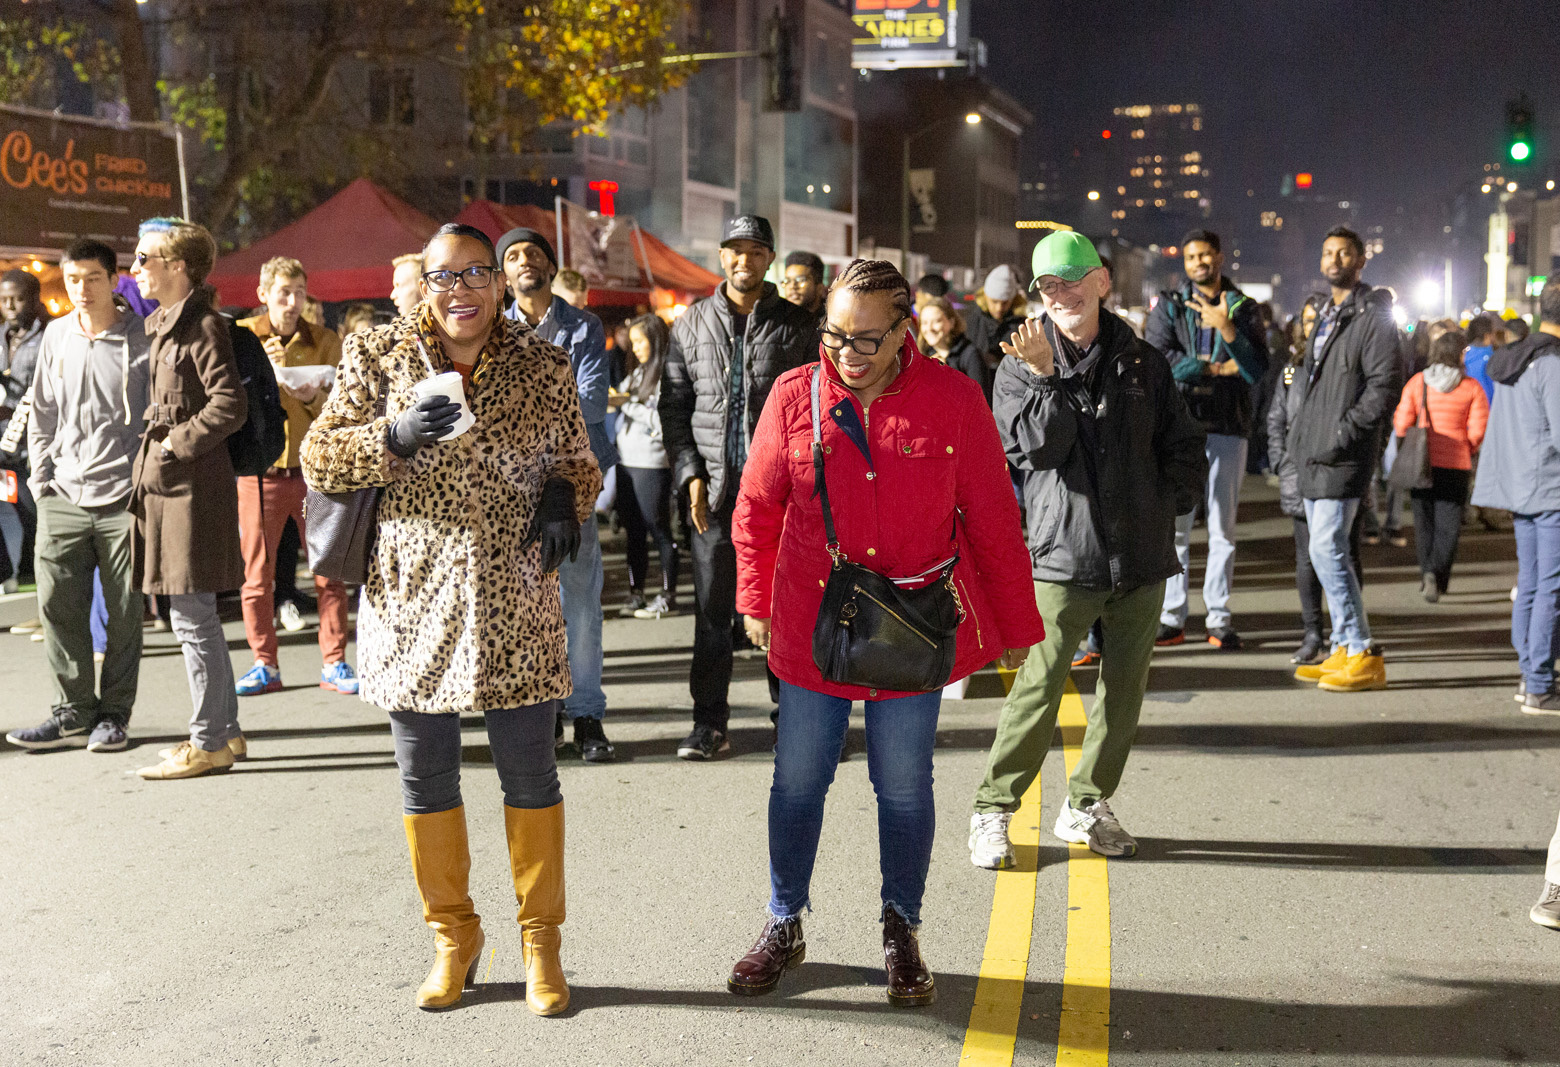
<point x="943" y="339"/>
<point x="485" y="518"/>
<point x="572" y="288"/>
<point x="1262" y="392"/>
<point x="802" y="282"/>
<point x="1111" y="456"/>
<point x="183" y="493"/>
<point x="1286" y="402"/>
<point x="945" y="494"/>
<point x="1516" y="328"/>
<point x="727" y="350"/>
<point x="998" y="310"/>
<point x="1451" y="406"/>
<point x="929" y="287"/>
<point x="1347" y="385"/>
<point x="358" y="316"/>
<point x="1519" y="472"/>
<point x="530" y="268"/>
<point x="85" y="426"/>
<point x="1546" y="912"/>
<point x="23" y="317"/>
<point x="405" y="281"/>
<point x="1215" y="339"/>
<point x="644" y="493"/>
<point x="267" y="502"/>
<point x="1486" y="332"/>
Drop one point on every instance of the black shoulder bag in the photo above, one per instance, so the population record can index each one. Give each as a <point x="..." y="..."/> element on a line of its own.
<point x="872" y="633"/>
<point x="340" y="527"/>
<point x="1411" y="469"/>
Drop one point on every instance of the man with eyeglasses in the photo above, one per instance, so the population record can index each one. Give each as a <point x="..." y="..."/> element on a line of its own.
<point x="802" y="283"/>
<point x="1213" y="336"/>
<point x="1111" y="456"/>
<point x="727" y="350"/>
<point x="530" y="267"/>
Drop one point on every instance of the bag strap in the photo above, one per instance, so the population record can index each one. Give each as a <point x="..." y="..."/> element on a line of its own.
<point x="1424" y="400"/>
<point x="822" y="487"/>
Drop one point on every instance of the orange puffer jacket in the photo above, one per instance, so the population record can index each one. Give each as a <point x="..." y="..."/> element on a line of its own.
<point x="1456" y="419"/>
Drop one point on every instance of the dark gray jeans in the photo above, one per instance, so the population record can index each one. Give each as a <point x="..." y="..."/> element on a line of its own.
<point x="427" y="750"/>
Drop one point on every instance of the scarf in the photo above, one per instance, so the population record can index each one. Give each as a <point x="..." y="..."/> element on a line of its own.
<point x="433" y="345"/>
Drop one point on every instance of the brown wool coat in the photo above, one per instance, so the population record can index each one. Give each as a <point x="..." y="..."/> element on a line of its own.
<point x="185" y="503"/>
<point x="457" y="614"/>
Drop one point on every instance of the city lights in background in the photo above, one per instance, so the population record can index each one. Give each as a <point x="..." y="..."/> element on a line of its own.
<point x="1400" y="315"/>
<point x="1094" y="194"/>
<point x="1303" y="180"/>
<point x="1427" y="294"/>
<point x="1511" y="187"/>
<point x="973" y="118"/>
<point x="1105" y="134"/>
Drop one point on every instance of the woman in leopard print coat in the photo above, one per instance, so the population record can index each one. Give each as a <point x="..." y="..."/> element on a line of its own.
<point x="460" y="612"/>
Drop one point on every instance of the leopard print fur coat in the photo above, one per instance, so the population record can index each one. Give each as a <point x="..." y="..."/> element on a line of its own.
<point x="456" y="614"/>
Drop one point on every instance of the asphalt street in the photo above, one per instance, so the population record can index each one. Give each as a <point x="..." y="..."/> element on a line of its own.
<point x="1324" y="879"/>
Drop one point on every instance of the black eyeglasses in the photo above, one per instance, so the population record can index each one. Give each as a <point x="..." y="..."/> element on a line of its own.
<point x="142" y="257"/>
<point x="866" y="346"/>
<point x="442" y="281"/>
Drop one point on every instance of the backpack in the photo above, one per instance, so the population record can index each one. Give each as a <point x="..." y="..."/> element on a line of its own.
<point x="255" y="446"/>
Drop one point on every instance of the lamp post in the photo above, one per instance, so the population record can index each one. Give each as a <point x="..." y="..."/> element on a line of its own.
<point x="973" y="119"/>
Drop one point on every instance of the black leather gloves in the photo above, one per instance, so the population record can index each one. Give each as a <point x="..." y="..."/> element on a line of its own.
<point x="422" y="425"/>
<point x="555" y="525"/>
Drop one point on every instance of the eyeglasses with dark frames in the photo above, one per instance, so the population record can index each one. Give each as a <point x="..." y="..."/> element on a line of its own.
<point x="865" y="346"/>
<point x="142" y="257"/>
<point x="442" y="281"/>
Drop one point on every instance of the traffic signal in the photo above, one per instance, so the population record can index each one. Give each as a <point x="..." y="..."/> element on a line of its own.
<point x="783" y="58"/>
<point x="1519" y="129"/>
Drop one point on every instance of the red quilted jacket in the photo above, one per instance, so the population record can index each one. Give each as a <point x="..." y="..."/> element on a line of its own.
<point x="926" y="450"/>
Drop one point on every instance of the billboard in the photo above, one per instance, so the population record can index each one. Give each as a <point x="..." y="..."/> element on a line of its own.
<point x="907" y="33"/>
<point x="65" y="176"/>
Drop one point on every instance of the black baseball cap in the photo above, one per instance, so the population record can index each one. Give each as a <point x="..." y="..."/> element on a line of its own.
<point x="749" y="228"/>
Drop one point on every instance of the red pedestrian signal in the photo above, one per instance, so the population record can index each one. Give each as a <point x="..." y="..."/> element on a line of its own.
<point x="1105" y="134"/>
<point x="1303" y="180"/>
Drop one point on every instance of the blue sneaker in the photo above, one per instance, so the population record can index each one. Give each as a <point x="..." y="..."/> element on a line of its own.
<point x="64" y="728"/>
<point x="340" y="677"/>
<point x="260" y="679"/>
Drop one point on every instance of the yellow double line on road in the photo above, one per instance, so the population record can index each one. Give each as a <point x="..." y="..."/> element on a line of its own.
<point x="1083" y="1036"/>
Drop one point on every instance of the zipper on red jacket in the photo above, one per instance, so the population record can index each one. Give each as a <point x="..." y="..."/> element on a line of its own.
<point x="967" y="600"/>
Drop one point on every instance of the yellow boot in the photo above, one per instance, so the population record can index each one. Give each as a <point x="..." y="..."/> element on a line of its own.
<point x="536" y="859"/>
<point x="1362" y="672"/>
<point x="1315" y="672"/>
<point x="441" y="863"/>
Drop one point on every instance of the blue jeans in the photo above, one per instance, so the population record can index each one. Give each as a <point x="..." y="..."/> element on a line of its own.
<point x="900" y="737"/>
<point x="1330" y="521"/>
<point x="98" y="620"/>
<point x="1534" y="614"/>
<point x="580" y="582"/>
<point x="1226" y="468"/>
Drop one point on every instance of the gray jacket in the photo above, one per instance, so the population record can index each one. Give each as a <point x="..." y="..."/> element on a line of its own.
<point x="1519" y="462"/>
<point x="89" y="400"/>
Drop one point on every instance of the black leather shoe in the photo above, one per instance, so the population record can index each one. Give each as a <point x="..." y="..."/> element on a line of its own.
<point x="910" y="984"/>
<point x="592" y="741"/>
<point x="780" y="946"/>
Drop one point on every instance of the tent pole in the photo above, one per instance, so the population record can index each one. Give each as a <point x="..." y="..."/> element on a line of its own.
<point x="644" y="253"/>
<point x="558" y="220"/>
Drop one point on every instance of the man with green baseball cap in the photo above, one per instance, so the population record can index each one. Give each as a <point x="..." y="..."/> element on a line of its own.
<point x="1110" y="457"/>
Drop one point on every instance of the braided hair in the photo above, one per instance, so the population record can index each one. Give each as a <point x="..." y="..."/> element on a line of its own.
<point x="875" y="276"/>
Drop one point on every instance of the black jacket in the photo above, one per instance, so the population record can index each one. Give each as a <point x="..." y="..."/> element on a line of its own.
<point x="1222" y="404"/>
<point x="696" y="382"/>
<point x="963" y="356"/>
<point x="987" y="333"/>
<point x="1286" y="401"/>
<point x="1102" y="518"/>
<point x="1348" y="391"/>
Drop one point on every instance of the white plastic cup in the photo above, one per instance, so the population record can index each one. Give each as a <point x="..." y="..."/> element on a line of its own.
<point x="451" y="385"/>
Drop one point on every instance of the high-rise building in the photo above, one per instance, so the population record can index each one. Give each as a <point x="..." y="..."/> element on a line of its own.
<point x="1155" y="171"/>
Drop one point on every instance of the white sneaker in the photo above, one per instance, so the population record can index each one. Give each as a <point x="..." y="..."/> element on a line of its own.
<point x="292" y="620"/>
<point x="1095" y="826"/>
<point x="989" y="844"/>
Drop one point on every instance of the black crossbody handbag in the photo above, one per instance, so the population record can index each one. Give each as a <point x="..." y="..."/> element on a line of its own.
<point x="870" y="632"/>
<point x="1411" y="468"/>
<point x="340" y="528"/>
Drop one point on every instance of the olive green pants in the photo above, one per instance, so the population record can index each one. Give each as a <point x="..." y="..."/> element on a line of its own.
<point x="1129" y="622"/>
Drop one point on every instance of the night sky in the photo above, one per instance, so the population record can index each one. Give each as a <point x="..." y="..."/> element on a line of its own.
<point x="1386" y="102"/>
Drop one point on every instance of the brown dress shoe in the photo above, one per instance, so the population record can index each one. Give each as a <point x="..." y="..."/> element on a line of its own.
<point x="909" y="982"/>
<point x="780" y="946"/>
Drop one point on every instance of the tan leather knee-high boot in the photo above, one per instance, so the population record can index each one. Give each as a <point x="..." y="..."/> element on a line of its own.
<point x="536" y="859"/>
<point x="441" y="863"/>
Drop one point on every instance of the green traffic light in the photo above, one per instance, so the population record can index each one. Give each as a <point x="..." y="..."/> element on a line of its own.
<point x="1520" y="150"/>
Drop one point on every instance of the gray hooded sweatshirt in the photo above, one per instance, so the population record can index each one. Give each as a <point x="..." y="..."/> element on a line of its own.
<point x="89" y="396"/>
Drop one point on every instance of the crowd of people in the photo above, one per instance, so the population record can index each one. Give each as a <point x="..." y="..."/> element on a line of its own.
<point x="803" y="429"/>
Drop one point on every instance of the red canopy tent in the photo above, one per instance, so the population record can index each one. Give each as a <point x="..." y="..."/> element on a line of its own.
<point x="346" y="244"/>
<point x="667" y="269"/>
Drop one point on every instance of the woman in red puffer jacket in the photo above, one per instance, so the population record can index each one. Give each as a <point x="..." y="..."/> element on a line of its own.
<point x="916" y="475"/>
